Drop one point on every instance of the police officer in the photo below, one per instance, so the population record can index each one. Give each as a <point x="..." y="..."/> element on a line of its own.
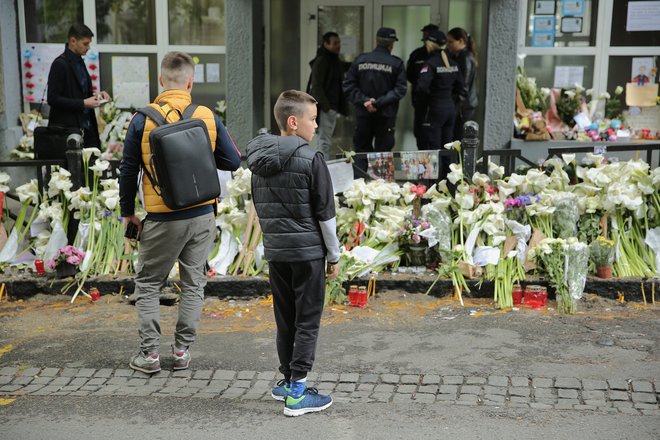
<point x="417" y="58"/>
<point x="439" y="79"/>
<point x="375" y="83"/>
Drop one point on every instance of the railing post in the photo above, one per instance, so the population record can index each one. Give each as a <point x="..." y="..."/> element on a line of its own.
<point x="469" y="147"/>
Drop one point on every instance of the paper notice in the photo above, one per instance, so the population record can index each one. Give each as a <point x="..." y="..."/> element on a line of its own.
<point x="568" y="76"/>
<point x="199" y="73"/>
<point x="647" y="119"/>
<point x="641" y="96"/>
<point x="212" y="72"/>
<point x="341" y="173"/>
<point x="643" y="16"/>
<point x="130" y="81"/>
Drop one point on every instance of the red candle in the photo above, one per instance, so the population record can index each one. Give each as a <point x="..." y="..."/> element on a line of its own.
<point x="39" y="266"/>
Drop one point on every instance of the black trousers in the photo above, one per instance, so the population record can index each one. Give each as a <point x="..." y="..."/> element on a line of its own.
<point x="373" y="133"/>
<point x="298" y="295"/>
<point x="420" y="114"/>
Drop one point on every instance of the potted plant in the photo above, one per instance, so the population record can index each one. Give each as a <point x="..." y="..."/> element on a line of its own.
<point x="601" y="251"/>
<point x="66" y="261"/>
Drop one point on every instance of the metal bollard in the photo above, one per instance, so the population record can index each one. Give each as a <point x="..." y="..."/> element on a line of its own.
<point x="469" y="147"/>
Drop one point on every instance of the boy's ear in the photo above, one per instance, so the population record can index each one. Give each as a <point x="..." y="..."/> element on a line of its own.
<point x="292" y="122"/>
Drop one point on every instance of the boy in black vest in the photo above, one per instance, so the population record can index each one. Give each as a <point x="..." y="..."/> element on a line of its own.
<point x="292" y="193"/>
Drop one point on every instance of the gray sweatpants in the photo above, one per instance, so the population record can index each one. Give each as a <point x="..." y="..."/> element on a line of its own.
<point x="161" y="244"/>
<point x="327" y="122"/>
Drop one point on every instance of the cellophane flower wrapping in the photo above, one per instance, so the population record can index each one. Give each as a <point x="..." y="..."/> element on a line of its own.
<point x="576" y="266"/>
<point x="565" y="218"/>
<point x="440" y="220"/>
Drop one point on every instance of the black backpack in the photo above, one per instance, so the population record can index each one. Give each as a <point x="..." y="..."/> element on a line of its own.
<point x="182" y="167"/>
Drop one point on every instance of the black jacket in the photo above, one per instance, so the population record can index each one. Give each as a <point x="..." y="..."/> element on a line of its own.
<point x="468" y="68"/>
<point x="66" y="96"/>
<point x="327" y="75"/>
<point x="285" y="192"/>
<point x="379" y="75"/>
<point x="415" y="62"/>
<point x="438" y="83"/>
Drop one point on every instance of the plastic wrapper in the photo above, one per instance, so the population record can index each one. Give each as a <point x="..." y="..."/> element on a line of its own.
<point x="441" y="223"/>
<point x="56" y="241"/>
<point x="576" y="265"/>
<point x="652" y="240"/>
<point x="566" y="216"/>
<point x="229" y="247"/>
<point x="522" y="233"/>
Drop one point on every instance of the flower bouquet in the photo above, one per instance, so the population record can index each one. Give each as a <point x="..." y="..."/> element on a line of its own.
<point x="412" y="242"/>
<point x="66" y="261"/>
<point x="602" y="254"/>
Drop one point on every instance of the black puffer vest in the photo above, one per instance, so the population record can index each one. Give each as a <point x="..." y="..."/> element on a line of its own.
<point x="281" y="180"/>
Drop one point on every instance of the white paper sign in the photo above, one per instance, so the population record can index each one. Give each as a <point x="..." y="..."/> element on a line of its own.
<point x="341" y="173"/>
<point x="568" y="76"/>
<point x="130" y="81"/>
<point x="643" y="16"/>
<point x="544" y="7"/>
<point x="212" y="72"/>
<point x="199" y="73"/>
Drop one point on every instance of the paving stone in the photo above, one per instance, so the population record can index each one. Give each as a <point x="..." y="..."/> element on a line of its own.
<point x="495" y="398"/>
<point x="182" y="374"/>
<point x="467" y="399"/>
<point x="103" y="372"/>
<point x="644" y="397"/>
<point x="381" y="397"/>
<point x="123" y="373"/>
<point x="246" y="375"/>
<point x="410" y="379"/>
<point x="619" y="404"/>
<point x="568" y="382"/>
<point x="69" y="372"/>
<point x="201" y="395"/>
<point x="366" y="387"/>
<point x="61" y="381"/>
<point x="223" y="375"/>
<point x="448" y="389"/>
<point x="35" y="387"/>
<point x="517" y="405"/>
<point x="349" y="377"/>
<point x="475" y="380"/>
<point x="89" y="388"/>
<point x="270" y="375"/>
<point x="252" y="395"/>
<point x="520" y="391"/>
<point x="446" y="397"/>
<point x="618" y="395"/>
<point x="390" y="378"/>
<point x="536" y="405"/>
<point x="39" y="380"/>
<point x="567" y="394"/>
<point x="593" y="395"/>
<point x="585" y="407"/>
<point x="618" y="384"/>
<point x="5" y="379"/>
<point x="384" y="388"/>
<point x="637" y="405"/>
<point x="203" y="374"/>
<point x="566" y="403"/>
<point x="177" y="382"/>
<point x="42" y="392"/>
<point x="22" y="380"/>
<point x="359" y="395"/>
<point x="30" y="372"/>
<point x="262" y="385"/>
<point x="86" y="372"/>
<point x="424" y="398"/>
<point x="471" y="389"/>
<point x="219" y="384"/>
<point x="642" y="386"/>
<point x="70" y="388"/>
<point x="452" y="380"/>
<point x="431" y="379"/>
<point x="428" y="389"/>
<point x="498" y="381"/>
<point x="401" y="398"/>
<point x="550" y="402"/>
<point x="406" y="389"/>
<point x="519" y="399"/>
<point x="629" y="411"/>
<point x="154" y="381"/>
<point x="326" y="386"/>
<point x="312" y="376"/>
<point x="8" y="371"/>
<point x="329" y="377"/>
<point x="601" y="403"/>
<point x="493" y="403"/>
<point x="542" y="382"/>
<point x="590" y="384"/>
<point x="198" y="383"/>
<point x="519" y="381"/>
<point x="500" y="391"/>
<point x="232" y="393"/>
<point x="369" y="378"/>
<point x="242" y="384"/>
<point x="346" y="387"/>
<point x="79" y="381"/>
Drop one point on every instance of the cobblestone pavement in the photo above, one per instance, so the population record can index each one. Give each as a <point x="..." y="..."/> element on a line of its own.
<point x="634" y="397"/>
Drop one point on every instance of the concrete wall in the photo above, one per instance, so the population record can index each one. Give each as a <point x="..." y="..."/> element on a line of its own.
<point x="501" y="73"/>
<point x="10" y="80"/>
<point x="245" y="69"/>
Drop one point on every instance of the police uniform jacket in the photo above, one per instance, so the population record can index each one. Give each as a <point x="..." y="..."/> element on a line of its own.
<point x="467" y="65"/>
<point x="437" y="83"/>
<point x="379" y="75"/>
<point x="415" y="62"/>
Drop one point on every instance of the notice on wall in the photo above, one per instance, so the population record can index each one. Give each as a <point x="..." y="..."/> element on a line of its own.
<point x="36" y="62"/>
<point x="643" y="16"/>
<point x="568" y="76"/>
<point x="199" y="73"/>
<point x="646" y="119"/>
<point x="212" y="72"/>
<point x="641" y="96"/>
<point x="544" y="24"/>
<point x="544" y="7"/>
<point x="341" y="174"/>
<point x="642" y="71"/>
<point x="130" y="81"/>
<point x="543" y="39"/>
<point x="572" y="7"/>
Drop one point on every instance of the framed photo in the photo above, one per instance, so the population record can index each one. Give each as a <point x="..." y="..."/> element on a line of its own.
<point x="543" y="39"/>
<point x="544" y="7"/>
<point x="571" y="25"/>
<point x="544" y="24"/>
<point x="572" y="7"/>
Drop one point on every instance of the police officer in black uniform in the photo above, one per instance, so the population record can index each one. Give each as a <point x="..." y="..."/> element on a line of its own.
<point x="439" y="80"/>
<point x="417" y="58"/>
<point x="375" y="83"/>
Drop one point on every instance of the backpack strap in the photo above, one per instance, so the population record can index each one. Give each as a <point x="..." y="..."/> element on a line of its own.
<point x="188" y="112"/>
<point x="153" y="114"/>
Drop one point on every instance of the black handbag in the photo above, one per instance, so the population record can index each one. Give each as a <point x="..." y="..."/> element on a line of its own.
<point x="51" y="142"/>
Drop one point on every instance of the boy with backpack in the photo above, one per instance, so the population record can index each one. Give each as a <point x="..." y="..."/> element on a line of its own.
<point x="293" y="197"/>
<point x="167" y="234"/>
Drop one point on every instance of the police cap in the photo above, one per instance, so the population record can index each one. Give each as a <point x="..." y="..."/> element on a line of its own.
<point x="388" y="33"/>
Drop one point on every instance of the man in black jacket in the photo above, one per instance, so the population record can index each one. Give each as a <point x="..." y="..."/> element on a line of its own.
<point x="70" y="96"/>
<point x="327" y="75"/>
<point x="375" y="83"/>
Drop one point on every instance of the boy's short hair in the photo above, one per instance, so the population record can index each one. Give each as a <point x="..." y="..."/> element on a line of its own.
<point x="291" y="103"/>
<point x="79" y="31"/>
<point x="177" y="67"/>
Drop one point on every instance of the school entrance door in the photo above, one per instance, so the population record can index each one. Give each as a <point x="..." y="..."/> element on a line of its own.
<point x="356" y="22"/>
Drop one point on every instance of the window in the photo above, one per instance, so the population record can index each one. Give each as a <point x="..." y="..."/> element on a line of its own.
<point x="621" y="37"/>
<point x="200" y="22"/>
<point x="126" y="21"/>
<point x="48" y="21"/>
<point x="542" y="67"/>
<point x="568" y="27"/>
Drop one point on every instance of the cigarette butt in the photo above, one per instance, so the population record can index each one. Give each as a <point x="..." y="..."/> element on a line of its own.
<point x="121" y="289"/>
<point x="177" y="287"/>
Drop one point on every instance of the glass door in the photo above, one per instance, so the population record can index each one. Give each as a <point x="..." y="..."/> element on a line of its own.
<point x="356" y="23"/>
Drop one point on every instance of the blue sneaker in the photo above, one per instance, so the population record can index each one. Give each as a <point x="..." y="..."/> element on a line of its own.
<point x="308" y="400"/>
<point x="281" y="390"/>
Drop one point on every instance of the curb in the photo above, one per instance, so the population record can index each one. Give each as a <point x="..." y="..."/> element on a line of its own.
<point x="24" y="287"/>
